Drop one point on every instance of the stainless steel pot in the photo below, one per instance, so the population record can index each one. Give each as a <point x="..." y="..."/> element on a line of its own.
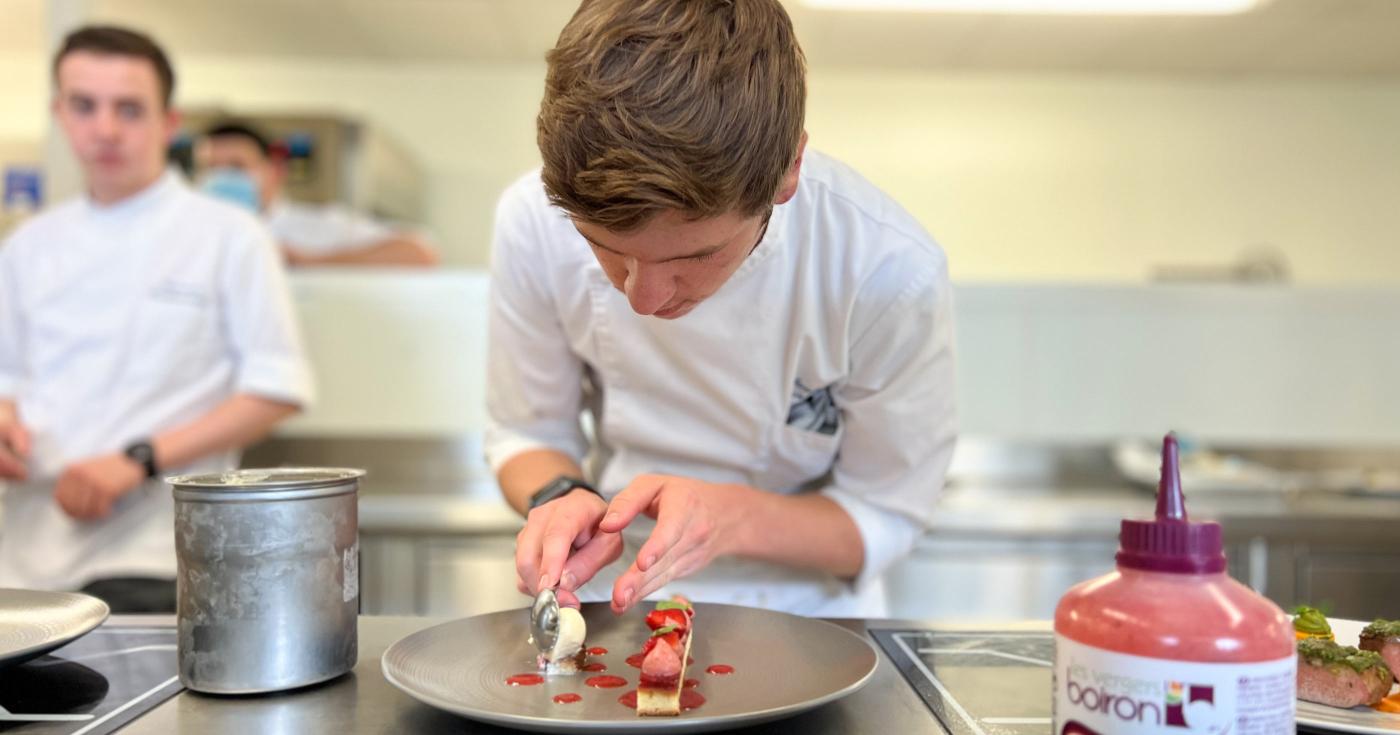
<point x="268" y="581"/>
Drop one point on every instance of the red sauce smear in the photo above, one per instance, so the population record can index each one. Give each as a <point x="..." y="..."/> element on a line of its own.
<point x="605" y="682"/>
<point x="597" y="651"/>
<point x="635" y="660"/>
<point x="524" y="680"/>
<point x="568" y="698"/>
<point x="691" y="683"/>
<point x="628" y="700"/>
<point x="720" y="670"/>
<point x="594" y="667"/>
<point x="690" y="699"/>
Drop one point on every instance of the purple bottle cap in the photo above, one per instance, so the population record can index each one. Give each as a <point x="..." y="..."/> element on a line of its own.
<point x="1171" y="542"/>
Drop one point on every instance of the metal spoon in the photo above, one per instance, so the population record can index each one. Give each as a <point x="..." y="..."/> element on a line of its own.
<point x="544" y="621"/>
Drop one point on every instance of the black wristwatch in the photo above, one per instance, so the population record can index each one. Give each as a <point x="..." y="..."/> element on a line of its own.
<point x="143" y="454"/>
<point x="558" y="488"/>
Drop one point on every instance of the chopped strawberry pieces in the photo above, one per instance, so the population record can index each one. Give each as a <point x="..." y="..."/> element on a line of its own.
<point x="657" y="619"/>
<point x="662" y="662"/>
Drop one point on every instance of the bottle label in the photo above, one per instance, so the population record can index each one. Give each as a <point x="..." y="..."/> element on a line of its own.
<point x="1098" y="692"/>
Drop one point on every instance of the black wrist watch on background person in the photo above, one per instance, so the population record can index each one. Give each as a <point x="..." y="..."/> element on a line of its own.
<point x="143" y="454"/>
<point x="558" y="488"/>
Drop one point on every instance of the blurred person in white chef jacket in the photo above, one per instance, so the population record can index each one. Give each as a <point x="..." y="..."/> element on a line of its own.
<point x="239" y="163"/>
<point x="763" y="337"/>
<point x="145" y="329"/>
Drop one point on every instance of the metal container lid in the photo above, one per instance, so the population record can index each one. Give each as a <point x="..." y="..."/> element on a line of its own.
<point x="270" y="483"/>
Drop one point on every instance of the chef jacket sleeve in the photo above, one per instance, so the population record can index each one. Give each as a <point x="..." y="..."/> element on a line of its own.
<point x="262" y="325"/>
<point x="533" y="377"/>
<point x="897" y="406"/>
<point x="11" y="326"/>
<point x="348" y="229"/>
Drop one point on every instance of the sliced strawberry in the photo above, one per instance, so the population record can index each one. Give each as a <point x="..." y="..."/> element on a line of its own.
<point x="662" y="662"/>
<point x="677" y="618"/>
<point x="657" y="619"/>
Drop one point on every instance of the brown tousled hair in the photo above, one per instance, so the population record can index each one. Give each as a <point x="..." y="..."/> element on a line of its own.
<point x="118" y="41"/>
<point x="688" y="105"/>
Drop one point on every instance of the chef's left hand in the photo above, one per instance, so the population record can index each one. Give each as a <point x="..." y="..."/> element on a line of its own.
<point x="87" y="490"/>
<point x="695" y="523"/>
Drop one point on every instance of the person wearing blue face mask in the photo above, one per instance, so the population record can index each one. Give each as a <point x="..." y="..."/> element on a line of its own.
<point x="145" y="329"/>
<point x="241" y="166"/>
<point x="234" y="186"/>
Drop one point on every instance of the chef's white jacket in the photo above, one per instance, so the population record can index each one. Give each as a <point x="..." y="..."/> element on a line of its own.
<point x="824" y="364"/>
<point x="322" y="229"/>
<point x="118" y="322"/>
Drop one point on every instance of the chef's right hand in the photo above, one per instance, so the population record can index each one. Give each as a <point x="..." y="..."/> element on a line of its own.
<point x="561" y="547"/>
<point x="14" y="449"/>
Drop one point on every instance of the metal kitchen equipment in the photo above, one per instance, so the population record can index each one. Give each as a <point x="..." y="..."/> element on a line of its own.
<point x="268" y="578"/>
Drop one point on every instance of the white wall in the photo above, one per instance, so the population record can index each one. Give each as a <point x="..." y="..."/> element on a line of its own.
<point x="404" y="354"/>
<point x="1077" y="177"/>
<point x="1020" y="176"/>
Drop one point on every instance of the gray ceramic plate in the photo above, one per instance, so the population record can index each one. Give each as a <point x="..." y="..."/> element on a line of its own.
<point x="33" y="623"/>
<point x="783" y="665"/>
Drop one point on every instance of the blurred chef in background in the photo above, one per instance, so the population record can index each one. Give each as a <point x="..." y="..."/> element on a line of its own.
<point x="239" y="163"/>
<point x="145" y="329"/>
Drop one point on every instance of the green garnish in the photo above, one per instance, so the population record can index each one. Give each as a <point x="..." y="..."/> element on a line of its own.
<point x="1382" y="629"/>
<point x="1310" y="620"/>
<point x="663" y="630"/>
<point x="1323" y="652"/>
<point x="672" y="605"/>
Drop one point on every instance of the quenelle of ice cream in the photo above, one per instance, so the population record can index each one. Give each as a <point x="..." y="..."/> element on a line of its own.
<point x="564" y="657"/>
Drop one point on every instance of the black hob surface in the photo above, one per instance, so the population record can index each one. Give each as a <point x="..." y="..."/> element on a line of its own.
<point x="91" y="686"/>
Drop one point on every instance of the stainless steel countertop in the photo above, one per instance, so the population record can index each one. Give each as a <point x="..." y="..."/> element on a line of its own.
<point x="363" y="702"/>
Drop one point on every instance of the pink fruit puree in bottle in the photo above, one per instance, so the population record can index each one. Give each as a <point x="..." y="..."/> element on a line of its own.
<point x="1168" y="643"/>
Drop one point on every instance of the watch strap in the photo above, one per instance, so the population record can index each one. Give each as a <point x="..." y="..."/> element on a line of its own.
<point x="558" y="488"/>
<point x="144" y="454"/>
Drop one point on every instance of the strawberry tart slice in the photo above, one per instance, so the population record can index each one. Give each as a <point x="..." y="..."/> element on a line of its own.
<point x="664" y="658"/>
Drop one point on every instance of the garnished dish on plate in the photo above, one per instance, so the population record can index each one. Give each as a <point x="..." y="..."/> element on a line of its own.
<point x="664" y="658"/>
<point x="1350" y="668"/>
<point x="737" y="673"/>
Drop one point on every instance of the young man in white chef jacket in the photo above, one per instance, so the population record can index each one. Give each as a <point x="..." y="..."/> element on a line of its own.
<point x="246" y="169"/>
<point x="763" y="337"/>
<point x="145" y="329"/>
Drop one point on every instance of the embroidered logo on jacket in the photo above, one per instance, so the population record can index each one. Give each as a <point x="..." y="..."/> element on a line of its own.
<point x="813" y="410"/>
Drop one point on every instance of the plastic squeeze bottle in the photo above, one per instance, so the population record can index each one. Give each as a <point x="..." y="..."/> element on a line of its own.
<point x="1168" y="643"/>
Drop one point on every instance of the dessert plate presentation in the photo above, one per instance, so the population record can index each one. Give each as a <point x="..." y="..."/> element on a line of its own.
<point x="745" y="666"/>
